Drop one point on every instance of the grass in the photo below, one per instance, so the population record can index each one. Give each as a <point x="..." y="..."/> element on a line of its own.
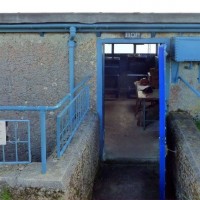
<point x="197" y="124"/>
<point x="5" y="194"/>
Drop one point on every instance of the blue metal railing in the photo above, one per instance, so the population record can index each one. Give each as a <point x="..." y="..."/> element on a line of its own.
<point x="69" y="119"/>
<point x="17" y="139"/>
<point x="189" y="86"/>
<point x="43" y="110"/>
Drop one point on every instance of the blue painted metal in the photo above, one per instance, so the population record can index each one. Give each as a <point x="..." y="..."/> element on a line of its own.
<point x="174" y="72"/>
<point x="67" y="126"/>
<point x="186" y="49"/>
<point x="71" y="45"/>
<point x="108" y="27"/>
<point x="100" y="94"/>
<point x="162" y="111"/>
<point x="13" y="131"/>
<point x="189" y="86"/>
<point x="43" y="140"/>
<point x="198" y="73"/>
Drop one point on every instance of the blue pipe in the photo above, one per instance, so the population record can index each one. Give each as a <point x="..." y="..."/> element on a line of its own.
<point x="189" y="86"/>
<point x="71" y="44"/>
<point x="104" y="27"/>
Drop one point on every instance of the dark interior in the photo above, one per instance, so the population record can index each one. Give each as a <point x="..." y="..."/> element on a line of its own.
<point x="125" y="137"/>
<point x="122" y="70"/>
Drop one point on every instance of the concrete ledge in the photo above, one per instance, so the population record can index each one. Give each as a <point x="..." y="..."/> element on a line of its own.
<point x="16" y="18"/>
<point x="70" y="177"/>
<point x="184" y="139"/>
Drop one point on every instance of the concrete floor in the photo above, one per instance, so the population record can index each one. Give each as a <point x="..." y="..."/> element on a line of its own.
<point x="124" y="140"/>
<point x="132" y="154"/>
<point x="127" y="182"/>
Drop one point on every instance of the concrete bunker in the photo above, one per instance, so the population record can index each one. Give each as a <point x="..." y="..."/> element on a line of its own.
<point x="35" y="67"/>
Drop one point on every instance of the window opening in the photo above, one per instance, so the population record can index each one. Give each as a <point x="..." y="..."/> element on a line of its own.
<point x="123" y="48"/>
<point x="146" y="48"/>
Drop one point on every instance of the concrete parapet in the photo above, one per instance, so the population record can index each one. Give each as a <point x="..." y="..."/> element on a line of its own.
<point x="70" y="177"/>
<point x="183" y="140"/>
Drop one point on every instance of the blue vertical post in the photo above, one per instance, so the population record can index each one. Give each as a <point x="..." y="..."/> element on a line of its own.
<point x="162" y="119"/>
<point x="29" y="141"/>
<point x="43" y="140"/>
<point x="71" y="45"/>
<point x="100" y="86"/>
<point x="58" y="135"/>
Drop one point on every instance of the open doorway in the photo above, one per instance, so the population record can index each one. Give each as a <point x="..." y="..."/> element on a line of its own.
<point x="128" y="147"/>
<point x="131" y="102"/>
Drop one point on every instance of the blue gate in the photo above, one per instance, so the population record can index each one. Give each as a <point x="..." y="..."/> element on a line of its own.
<point x="16" y="148"/>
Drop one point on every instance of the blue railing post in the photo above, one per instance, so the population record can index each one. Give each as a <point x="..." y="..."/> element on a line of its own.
<point x="43" y="140"/>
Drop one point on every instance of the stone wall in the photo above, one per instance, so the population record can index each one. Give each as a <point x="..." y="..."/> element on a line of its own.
<point x="35" y="71"/>
<point x="183" y="140"/>
<point x="71" y="177"/>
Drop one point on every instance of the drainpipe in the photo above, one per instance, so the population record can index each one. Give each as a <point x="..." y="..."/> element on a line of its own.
<point x="71" y="45"/>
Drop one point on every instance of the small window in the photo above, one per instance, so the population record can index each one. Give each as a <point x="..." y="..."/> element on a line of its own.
<point x="146" y="48"/>
<point x="108" y="48"/>
<point x="123" y="48"/>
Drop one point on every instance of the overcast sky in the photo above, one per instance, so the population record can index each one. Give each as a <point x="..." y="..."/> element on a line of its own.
<point x="175" y="6"/>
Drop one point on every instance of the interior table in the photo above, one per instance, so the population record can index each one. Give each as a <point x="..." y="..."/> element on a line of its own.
<point x="151" y="97"/>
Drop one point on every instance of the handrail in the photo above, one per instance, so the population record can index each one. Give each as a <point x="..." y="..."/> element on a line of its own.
<point x="42" y="110"/>
<point x="45" y="108"/>
<point x="189" y="86"/>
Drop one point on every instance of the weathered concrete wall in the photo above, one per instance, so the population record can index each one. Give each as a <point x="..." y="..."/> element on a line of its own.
<point x="71" y="177"/>
<point x="184" y="138"/>
<point x="35" y="71"/>
<point x="181" y="97"/>
<point x="85" y="62"/>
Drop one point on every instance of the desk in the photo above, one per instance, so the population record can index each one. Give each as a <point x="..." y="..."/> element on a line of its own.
<point x="142" y="97"/>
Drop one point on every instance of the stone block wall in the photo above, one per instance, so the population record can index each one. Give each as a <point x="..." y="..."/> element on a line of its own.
<point x="183" y="139"/>
<point x="69" y="178"/>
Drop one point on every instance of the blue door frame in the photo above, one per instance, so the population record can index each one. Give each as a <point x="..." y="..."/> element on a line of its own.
<point x="100" y="94"/>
